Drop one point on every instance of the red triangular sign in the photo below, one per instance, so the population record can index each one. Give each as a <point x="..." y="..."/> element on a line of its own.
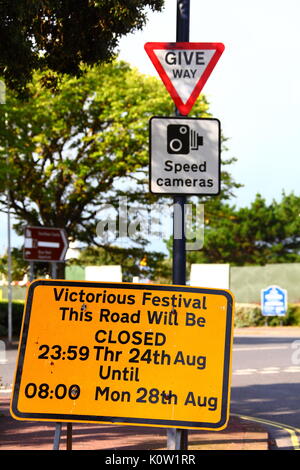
<point x="184" y="68"/>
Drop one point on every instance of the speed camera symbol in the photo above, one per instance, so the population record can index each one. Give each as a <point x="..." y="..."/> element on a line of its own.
<point x="181" y="139"/>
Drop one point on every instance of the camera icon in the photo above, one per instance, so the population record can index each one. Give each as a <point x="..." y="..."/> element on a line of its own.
<point x="181" y="139"/>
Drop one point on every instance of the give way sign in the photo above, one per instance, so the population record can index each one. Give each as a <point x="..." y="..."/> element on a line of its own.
<point x="184" y="68"/>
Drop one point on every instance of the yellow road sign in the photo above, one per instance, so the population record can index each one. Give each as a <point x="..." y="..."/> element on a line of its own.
<point x="142" y="354"/>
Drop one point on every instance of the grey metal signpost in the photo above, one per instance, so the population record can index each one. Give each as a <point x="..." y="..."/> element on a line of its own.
<point x="178" y="438"/>
<point x="47" y="244"/>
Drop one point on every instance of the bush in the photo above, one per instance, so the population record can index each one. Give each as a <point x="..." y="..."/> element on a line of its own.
<point x="250" y="315"/>
<point x="293" y="316"/>
<point x="17" y="315"/>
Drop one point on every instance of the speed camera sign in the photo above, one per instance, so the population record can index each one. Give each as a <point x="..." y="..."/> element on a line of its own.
<point x="185" y="156"/>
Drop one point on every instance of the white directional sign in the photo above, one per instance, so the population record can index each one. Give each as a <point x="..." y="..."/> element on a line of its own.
<point x="185" y="156"/>
<point x="184" y="68"/>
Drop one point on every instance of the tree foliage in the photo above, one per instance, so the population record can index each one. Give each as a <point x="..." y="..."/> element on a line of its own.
<point x="67" y="149"/>
<point x="75" y="150"/>
<point x="19" y="266"/>
<point x="256" y="235"/>
<point x="60" y="35"/>
<point x="133" y="261"/>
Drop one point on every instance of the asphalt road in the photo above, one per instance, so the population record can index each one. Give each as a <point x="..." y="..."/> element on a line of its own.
<point x="266" y="378"/>
<point x="266" y="381"/>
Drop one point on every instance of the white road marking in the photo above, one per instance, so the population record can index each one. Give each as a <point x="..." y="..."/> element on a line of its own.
<point x="258" y="348"/>
<point x="292" y="369"/>
<point x="244" y="371"/>
<point x="268" y="370"/>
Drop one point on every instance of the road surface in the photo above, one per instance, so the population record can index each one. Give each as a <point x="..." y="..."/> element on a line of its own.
<point x="266" y="378"/>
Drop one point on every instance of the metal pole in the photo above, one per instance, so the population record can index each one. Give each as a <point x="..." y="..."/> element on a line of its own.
<point x="58" y="427"/>
<point x="183" y="21"/>
<point x="53" y="270"/>
<point x="178" y="438"/>
<point x="9" y="264"/>
<point x="179" y="254"/>
<point x="57" y="436"/>
<point x="69" y="436"/>
<point x="31" y="271"/>
<point x="9" y="276"/>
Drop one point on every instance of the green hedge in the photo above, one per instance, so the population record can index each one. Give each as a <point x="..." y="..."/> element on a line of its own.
<point x="251" y="316"/>
<point x="17" y="314"/>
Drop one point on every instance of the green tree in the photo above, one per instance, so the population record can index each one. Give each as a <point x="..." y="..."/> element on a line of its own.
<point x="133" y="261"/>
<point x="72" y="151"/>
<point x="256" y="235"/>
<point x="60" y="35"/>
<point x="19" y="266"/>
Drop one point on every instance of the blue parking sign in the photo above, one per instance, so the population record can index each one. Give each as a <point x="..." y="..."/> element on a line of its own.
<point x="273" y="301"/>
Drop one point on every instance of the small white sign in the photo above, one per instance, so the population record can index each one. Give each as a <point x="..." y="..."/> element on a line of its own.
<point x="210" y="275"/>
<point x="103" y="273"/>
<point x="184" y="156"/>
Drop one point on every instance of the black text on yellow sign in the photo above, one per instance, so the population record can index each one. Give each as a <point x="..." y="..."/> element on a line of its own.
<point x="125" y="353"/>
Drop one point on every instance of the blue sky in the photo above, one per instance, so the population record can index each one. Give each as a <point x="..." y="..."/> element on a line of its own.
<point x="254" y="90"/>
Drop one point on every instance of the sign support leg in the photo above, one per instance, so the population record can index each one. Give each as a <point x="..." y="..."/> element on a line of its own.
<point x="69" y="436"/>
<point x="177" y="439"/>
<point x="53" y="270"/>
<point x="31" y="271"/>
<point x="57" y="436"/>
<point x="69" y="425"/>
